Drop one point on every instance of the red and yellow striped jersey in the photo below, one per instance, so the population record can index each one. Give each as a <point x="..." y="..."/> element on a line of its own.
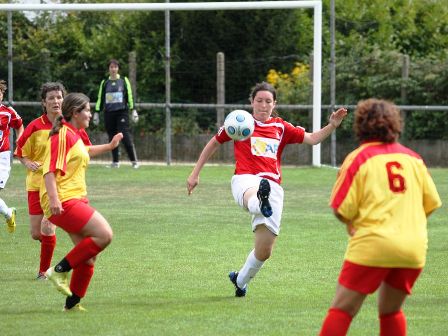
<point x="67" y="157"/>
<point x="32" y="145"/>
<point x="386" y="192"/>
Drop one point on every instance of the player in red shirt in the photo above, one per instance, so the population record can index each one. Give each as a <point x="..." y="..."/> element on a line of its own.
<point x="383" y="194"/>
<point x="30" y="151"/>
<point x="256" y="183"/>
<point x="8" y="119"/>
<point x="63" y="197"/>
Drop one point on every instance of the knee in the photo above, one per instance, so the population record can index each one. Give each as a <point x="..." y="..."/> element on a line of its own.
<point x="36" y="235"/>
<point x="263" y="253"/>
<point x="106" y="238"/>
<point x="47" y="228"/>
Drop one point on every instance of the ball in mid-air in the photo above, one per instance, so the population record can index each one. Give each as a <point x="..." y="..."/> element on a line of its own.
<point x="239" y="125"/>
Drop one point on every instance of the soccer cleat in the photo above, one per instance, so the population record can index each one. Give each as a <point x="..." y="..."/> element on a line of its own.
<point x="76" y="308"/>
<point x="41" y="276"/>
<point x="113" y="165"/>
<point x="263" y="196"/>
<point x="239" y="292"/>
<point x="11" y="221"/>
<point x="59" y="279"/>
<point x="135" y="165"/>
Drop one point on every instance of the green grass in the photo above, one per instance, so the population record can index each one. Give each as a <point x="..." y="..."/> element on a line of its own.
<point x="165" y="273"/>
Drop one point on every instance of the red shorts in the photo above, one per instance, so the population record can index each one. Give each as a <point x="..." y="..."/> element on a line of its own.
<point x="77" y="212"/>
<point x="34" y="207"/>
<point x="366" y="279"/>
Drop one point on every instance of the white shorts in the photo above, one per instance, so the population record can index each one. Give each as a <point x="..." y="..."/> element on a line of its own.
<point x="241" y="183"/>
<point x="5" y="167"/>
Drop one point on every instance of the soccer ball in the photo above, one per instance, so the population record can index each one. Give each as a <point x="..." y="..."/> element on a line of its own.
<point x="239" y="125"/>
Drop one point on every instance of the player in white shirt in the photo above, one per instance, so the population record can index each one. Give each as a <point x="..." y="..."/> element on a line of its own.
<point x="256" y="183"/>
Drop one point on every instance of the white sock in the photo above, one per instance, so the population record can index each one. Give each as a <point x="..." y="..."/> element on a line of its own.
<point x="249" y="270"/>
<point x="4" y="209"/>
<point x="253" y="205"/>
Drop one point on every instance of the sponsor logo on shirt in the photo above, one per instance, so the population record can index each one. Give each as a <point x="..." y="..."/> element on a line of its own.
<point x="265" y="147"/>
<point x="114" y="97"/>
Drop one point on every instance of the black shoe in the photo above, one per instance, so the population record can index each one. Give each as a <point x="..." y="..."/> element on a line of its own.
<point x="239" y="292"/>
<point x="263" y="196"/>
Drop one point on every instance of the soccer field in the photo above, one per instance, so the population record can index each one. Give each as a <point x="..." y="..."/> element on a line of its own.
<point x="165" y="272"/>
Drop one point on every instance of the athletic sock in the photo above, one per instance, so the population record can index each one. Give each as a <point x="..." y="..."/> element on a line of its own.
<point x="47" y="246"/>
<point x="63" y="266"/>
<point x="249" y="270"/>
<point x="4" y="209"/>
<point x="253" y="205"/>
<point x="82" y="252"/>
<point x="80" y="280"/>
<point x="393" y="324"/>
<point x="336" y="323"/>
<point x="72" y="301"/>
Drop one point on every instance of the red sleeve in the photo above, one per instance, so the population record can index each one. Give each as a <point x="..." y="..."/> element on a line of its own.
<point x="16" y="121"/>
<point x="293" y="134"/>
<point x="222" y="136"/>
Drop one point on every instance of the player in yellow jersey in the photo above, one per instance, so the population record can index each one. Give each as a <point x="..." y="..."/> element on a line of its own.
<point x="30" y="151"/>
<point x="384" y="194"/>
<point x="63" y="197"/>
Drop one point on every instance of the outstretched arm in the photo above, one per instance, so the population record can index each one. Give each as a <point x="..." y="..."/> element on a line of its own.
<point x="320" y="135"/>
<point x="100" y="149"/>
<point x="209" y="149"/>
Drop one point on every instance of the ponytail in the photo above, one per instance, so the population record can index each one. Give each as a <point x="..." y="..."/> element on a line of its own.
<point x="57" y="124"/>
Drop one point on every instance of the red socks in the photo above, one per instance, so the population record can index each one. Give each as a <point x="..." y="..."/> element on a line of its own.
<point x="82" y="252"/>
<point x="336" y="323"/>
<point x="47" y="246"/>
<point x="393" y="324"/>
<point x="81" y="279"/>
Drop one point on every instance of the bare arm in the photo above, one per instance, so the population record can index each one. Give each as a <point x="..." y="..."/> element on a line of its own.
<point x="50" y="185"/>
<point x="349" y="226"/>
<point x="209" y="149"/>
<point x="29" y="164"/>
<point x="320" y="135"/>
<point x="100" y="149"/>
<point x="19" y="132"/>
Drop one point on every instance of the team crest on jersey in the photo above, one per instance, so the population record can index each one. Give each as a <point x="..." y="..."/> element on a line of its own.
<point x="265" y="147"/>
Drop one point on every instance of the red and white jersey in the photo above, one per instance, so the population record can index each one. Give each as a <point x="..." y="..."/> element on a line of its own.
<point x="9" y="118"/>
<point x="261" y="153"/>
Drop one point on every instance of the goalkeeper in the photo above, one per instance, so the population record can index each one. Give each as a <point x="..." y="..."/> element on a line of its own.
<point x="115" y="100"/>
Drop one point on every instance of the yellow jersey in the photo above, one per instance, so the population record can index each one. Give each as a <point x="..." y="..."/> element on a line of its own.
<point x="32" y="145"/>
<point x="67" y="156"/>
<point x="386" y="192"/>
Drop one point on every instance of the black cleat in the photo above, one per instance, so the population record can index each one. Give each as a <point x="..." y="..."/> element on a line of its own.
<point x="239" y="292"/>
<point x="263" y="196"/>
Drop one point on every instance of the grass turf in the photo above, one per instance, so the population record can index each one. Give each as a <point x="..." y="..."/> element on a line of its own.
<point x="165" y="273"/>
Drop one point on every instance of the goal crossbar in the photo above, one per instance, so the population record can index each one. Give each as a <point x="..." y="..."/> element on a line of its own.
<point x="197" y="6"/>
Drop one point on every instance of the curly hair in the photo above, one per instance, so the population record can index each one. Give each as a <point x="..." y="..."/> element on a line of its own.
<point x="377" y="119"/>
<point x="3" y="86"/>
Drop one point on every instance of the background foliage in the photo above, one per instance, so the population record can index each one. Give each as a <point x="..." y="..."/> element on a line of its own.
<point x="371" y="39"/>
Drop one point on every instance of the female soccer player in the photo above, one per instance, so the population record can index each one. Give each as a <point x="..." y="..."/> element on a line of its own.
<point x="9" y="118"/>
<point x="63" y="198"/>
<point x="384" y="195"/>
<point x="30" y="151"/>
<point x="256" y="183"/>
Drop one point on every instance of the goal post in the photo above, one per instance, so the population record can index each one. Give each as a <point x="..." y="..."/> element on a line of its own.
<point x="201" y="6"/>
